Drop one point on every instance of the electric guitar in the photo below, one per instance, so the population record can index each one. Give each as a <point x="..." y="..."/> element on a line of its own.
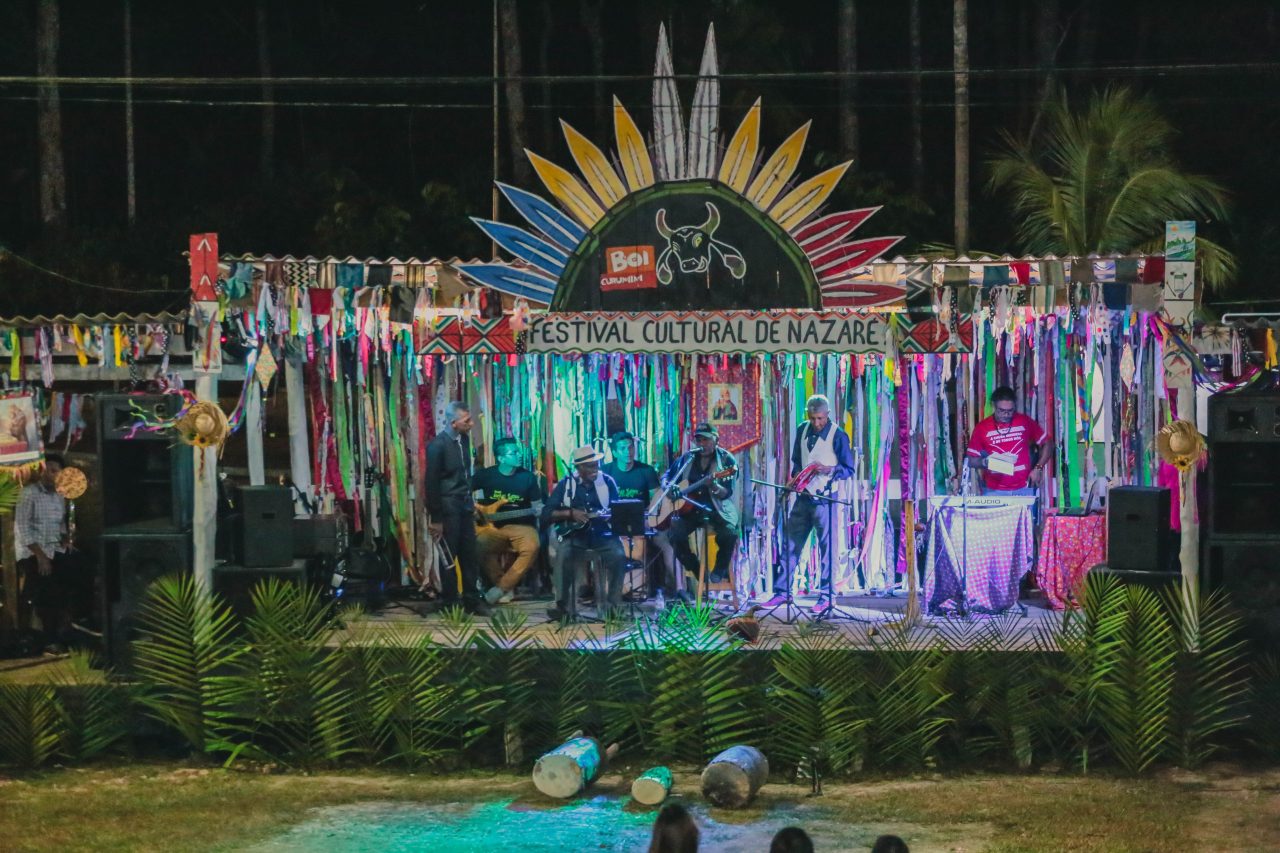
<point x="487" y="514"/>
<point x="665" y="506"/>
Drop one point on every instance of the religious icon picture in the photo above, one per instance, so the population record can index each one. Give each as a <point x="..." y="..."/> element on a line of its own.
<point x="726" y="403"/>
<point x="19" y="431"/>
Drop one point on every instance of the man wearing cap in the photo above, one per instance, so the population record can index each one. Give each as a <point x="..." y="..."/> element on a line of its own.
<point x="820" y="456"/>
<point x="638" y="481"/>
<point x="452" y="509"/>
<point x="579" y="507"/>
<point x="714" y="506"/>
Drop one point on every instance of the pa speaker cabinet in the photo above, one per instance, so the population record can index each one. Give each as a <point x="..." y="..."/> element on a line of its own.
<point x="265" y="535"/>
<point x="1249" y="572"/>
<point x="146" y="477"/>
<point x="1248" y="418"/>
<point x="1138" y="529"/>
<point x="130" y="564"/>
<point x="236" y="583"/>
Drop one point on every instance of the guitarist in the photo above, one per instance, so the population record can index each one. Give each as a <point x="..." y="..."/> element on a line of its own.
<point x="515" y="493"/>
<point x="717" y="511"/>
<point x="820" y="455"/>
<point x="579" y="505"/>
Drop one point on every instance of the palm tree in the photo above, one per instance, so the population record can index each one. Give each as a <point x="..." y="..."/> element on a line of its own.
<point x="1106" y="181"/>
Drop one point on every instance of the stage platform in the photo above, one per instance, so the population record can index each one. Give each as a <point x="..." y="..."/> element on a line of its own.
<point x="864" y="622"/>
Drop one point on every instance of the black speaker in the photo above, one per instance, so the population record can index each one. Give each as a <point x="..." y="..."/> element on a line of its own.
<point x="146" y="477"/>
<point x="1138" y="536"/>
<point x="318" y="536"/>
<point x="264" y="519"/>
<point x="1249" y="572"/>
<point x="1250" y="418"/>
<point x="129" y="565"/>
<point x="1244" y="466"/>
<point x="236" y="583"/>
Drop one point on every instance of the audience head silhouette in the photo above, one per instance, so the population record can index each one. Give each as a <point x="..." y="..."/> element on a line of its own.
<point x="674" y="831"/>
<point x="791" y="839"/>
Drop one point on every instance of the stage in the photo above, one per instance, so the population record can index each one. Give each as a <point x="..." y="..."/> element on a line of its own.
<point x="865" y="622"/>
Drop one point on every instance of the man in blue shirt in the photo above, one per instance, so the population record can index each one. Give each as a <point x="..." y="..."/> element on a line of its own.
<point x="820" y="450"/>
<point x="579" y="509"/>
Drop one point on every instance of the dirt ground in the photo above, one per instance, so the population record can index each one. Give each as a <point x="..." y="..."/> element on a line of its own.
<point x="188" y="807"/>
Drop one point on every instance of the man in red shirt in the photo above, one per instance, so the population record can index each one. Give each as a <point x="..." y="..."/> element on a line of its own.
<point x="1001" y="447"/>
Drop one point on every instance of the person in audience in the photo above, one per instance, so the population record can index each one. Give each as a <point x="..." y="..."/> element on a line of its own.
<point x="674" y="831"/>
<point x="791" y="839"/>
<point x="889" y="844"/>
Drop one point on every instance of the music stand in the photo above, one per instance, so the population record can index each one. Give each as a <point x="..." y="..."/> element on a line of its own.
<point x="628" y="523"/>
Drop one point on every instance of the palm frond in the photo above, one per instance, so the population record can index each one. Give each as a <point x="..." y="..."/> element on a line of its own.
<point x="95" y="711"/>
<point x="30" y="724"/>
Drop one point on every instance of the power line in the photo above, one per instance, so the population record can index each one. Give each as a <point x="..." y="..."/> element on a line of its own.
<point x="7" y="254"/>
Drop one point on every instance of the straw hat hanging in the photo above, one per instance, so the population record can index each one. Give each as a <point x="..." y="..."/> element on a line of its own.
<point x="1180" y="444"/>
<point x="203" y="424"/>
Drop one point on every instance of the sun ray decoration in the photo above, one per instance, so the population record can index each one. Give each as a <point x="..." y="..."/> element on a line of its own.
<point x="559" y="228"/>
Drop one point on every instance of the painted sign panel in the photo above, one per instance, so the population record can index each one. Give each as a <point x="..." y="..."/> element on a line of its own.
<point x="1180" y="240"/>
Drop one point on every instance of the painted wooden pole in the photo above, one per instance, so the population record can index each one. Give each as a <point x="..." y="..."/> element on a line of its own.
<point x="253" y="432"/>
<point x="1189" y="558"/>
<point x="652" y="786"/>
<point x="571" y="766"/>
<point x="204" y="522"/>
<point x="299" y="439"/>
<point x="734" y="776"/>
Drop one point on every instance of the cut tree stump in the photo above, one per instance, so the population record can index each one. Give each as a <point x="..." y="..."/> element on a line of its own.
<point x="733" y="777"/>
<point x="571" y="766"/>
<point x="652" y="786"/>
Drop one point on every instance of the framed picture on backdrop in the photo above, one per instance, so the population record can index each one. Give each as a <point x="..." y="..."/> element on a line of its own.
<point x="730" y="400"/>
<point x="19" y="431"/>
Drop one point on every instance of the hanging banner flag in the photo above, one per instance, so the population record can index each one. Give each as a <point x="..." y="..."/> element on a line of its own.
<point x="204" y="267"/>
<point x="718" y="332"/>
<point x="1180" y="240"/>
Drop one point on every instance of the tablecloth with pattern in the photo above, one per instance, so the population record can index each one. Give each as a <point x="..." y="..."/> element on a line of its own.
<point x="977" y="555"/>
<point x="1069" y="547"/>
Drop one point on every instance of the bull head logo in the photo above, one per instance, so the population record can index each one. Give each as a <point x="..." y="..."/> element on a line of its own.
<point x="692" y="248"/>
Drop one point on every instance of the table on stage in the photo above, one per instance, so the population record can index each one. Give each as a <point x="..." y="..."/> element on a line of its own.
<point x="1069" y="546"/>
<point x="979" y="549"/>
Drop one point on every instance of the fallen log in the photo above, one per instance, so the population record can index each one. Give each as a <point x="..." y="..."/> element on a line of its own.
<point x="734" y="776"/>
<point x="652" y="786"/>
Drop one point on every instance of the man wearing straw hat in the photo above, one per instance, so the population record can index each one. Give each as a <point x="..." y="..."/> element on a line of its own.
<point x="452" y="508"/>
<point x="579" y="506"/>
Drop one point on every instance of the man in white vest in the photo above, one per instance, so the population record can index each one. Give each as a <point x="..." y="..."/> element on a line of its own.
<point x="820" y="456"/>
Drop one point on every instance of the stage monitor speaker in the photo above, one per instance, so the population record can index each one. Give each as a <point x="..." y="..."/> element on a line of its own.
<point x="1248" y="571"/>
<point x="1252" y="418"/>
<point x="130" y="564"/>
<point x="265" y="526"/>
<point x="146" y="477"/>
<point x="318" y="536"/>
<point x="1133" y="577"/>
<point x="1138" y="538"/>
<point x="235" y="583"/>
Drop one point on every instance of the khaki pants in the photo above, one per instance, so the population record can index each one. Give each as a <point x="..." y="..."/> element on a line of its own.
<point x="494" y="543"/>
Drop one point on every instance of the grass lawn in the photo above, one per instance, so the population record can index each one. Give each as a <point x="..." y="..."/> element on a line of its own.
<point x="181" y="807"/>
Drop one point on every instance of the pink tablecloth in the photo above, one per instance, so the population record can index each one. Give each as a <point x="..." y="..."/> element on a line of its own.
<point x="1069" y="547"/>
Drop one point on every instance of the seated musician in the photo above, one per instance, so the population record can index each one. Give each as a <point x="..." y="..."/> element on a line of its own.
<point x="638" y="481"/>
<point x="713" y="505"/>
<point x="509" y="499"/>
<point x="579" y="507"/>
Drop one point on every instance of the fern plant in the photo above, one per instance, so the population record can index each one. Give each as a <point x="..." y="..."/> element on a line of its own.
<point x="187" y="642"/>
<point x="905" y="701"/>
<point x="508" y="662"/>
<point x="31" y="724"/>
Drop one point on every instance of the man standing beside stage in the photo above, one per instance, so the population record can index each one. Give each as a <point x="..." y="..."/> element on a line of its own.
<point x="714" y="508"/>
<point x="820" y="457"/>
<point x="451" y="508"/>
<point x="53" y="580"/>
<point x="638" y="481"/>
<point x="515" y="493"/>
<point x="1001" y="447"/>
<point x="579" y="507"/>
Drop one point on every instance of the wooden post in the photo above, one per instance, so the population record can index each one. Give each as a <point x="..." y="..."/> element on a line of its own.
<point x="571" y="766"/>
<point x="204" y="522"/>
<point x="299" y="439"/>
<point x="1189" y="558"/>
<point x="652" y="786"/>
<point x="912" y="617"/>
<point x="8" y="560"/>
<point x="734" y="776"/>
<point x="253" y="432"/>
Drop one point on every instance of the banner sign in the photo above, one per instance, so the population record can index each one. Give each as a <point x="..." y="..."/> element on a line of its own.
<point x="718" y="332"/>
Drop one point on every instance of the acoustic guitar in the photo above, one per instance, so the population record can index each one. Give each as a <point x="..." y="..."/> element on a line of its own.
<point x="665" y="506"/>
<point x="487" y="514"/>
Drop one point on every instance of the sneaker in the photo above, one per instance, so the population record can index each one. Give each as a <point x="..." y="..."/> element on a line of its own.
<point x="508" y="597"/>
<point x="555" y="614"/>
<point x="494" y="595"/>
<point x="779" y="599"/>
<point x="55" y="650"/>
<point x="820" y="606"/>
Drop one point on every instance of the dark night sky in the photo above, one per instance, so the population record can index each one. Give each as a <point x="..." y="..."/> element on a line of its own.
<point x="198" y="165"/>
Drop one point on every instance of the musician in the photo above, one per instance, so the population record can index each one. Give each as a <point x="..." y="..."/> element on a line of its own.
<point x="638" y="481"/>
<point x="580" y="504"/>
<point x="1001" y="448"/>
<point x="516" y="494"/>
<point x="821" y="450"/>
<point x="451" y="507"/>
<point x="716" y="509"/>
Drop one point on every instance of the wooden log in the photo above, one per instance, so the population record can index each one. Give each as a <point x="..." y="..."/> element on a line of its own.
<point x="652" y="786"/>
<point x="571" y="766"/>
<point x="733" y="777"/>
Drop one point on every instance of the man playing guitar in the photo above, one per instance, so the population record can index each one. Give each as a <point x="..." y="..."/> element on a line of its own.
<point x="710" y="504"/>
<point x="579" y="509"/>
<point x="508" y="501"/>
<point x="820" y="455"/>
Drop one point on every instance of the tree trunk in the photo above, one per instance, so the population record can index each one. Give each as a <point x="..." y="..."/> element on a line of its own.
<point x="53" y="171"/>
<point x="733" y="777"/>
<point x="266" y="152"/>
<point x="960" y="39"/>
<point x="130" y="170"/>
<point x="592" y="20"/>
<point x="848" y="48"/>
<point x="1048" y="41"/>
<point x="547" y="115"/>
<point x="512" y="68"/>
<point x="917" y="103"/>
